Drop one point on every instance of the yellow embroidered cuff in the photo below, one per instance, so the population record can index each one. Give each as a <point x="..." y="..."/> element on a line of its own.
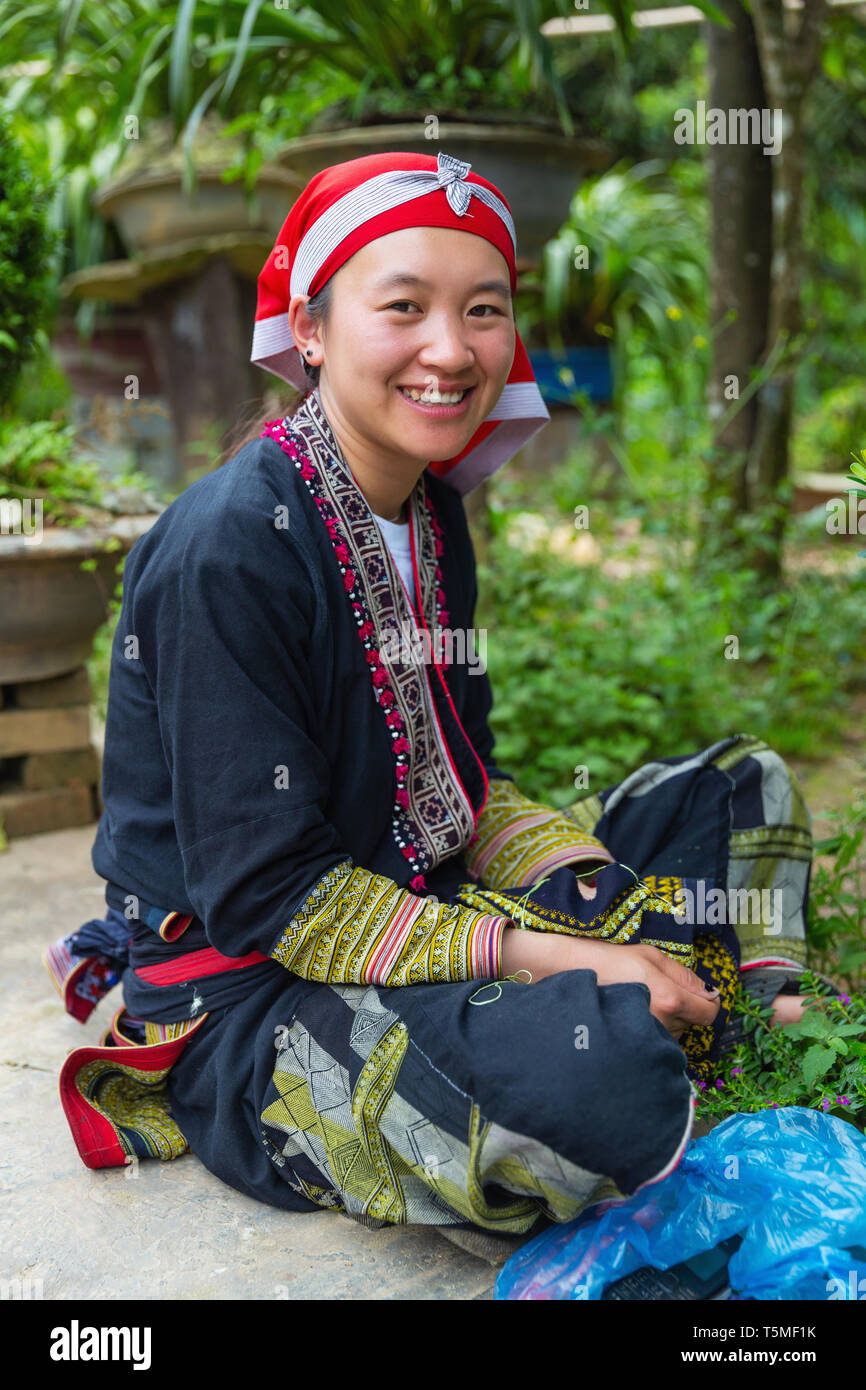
<point x="518" y="841"/>
<point x="356" y="927"/>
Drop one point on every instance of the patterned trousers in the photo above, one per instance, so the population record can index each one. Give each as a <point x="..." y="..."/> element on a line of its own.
<point x="489" y="1105"/>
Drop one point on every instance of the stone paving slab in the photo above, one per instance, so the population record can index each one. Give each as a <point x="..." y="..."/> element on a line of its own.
<point x="158" y="1230"/>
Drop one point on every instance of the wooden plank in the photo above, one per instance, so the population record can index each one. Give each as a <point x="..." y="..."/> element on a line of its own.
<point x="32" y="813"/>
<point x="42" y="771"/>
<point x="647" y="19"/>
<point x="43" y="730"/>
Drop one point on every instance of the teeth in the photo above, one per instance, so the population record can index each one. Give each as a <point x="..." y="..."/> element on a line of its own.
<point x="434" y="397"/>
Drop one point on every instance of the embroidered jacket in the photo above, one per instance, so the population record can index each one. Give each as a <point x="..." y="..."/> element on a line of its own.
<point x="278" y="763"/>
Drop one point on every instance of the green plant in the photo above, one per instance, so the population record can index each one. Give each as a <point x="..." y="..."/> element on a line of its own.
<point x="818" y="1062"/>
<point x="27" y="244"/>
<point x="184" y="57"/>
<point x="100" y="75"/>
<point x="834" y="291"/>
<point x="608" y="663"/>
<point x="857" y="469"/>
<point x="43" y="390"/>
<point x="271" y="72"/>
<point x="837" y="900"/>
<point x="37" y="461"/>
<point x="631" y="255"/>
<point x="101" y="79"/>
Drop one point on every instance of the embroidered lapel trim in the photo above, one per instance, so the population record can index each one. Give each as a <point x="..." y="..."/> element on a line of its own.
<point x="433" y="816"/>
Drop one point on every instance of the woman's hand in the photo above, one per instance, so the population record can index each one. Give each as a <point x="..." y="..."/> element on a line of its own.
<point x="677" y="995"/>
<point x="788" y="1008"/>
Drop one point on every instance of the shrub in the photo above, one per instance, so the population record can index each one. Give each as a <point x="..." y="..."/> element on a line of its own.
<point x="825" y="437"/>
<point x="26" y="246"/>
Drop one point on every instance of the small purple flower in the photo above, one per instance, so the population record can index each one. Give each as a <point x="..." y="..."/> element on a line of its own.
<point x="825" y="1104"/>
<point x="702" y="1085"/>
<point x="720" y="1083"/>
<point x="736" y="1071"/>
<point x="775" y="1105"/>
<point x="843" y="1100"/>
<point x="843" y="998"/>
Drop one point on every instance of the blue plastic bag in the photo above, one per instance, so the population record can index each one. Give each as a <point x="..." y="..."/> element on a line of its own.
<point x="792" y="1181"/>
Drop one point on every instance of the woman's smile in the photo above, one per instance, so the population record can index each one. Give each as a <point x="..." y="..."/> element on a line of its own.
<point x="438" y="405"/>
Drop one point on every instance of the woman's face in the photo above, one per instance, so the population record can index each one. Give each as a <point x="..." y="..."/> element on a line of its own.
<point x="427" y="308"/>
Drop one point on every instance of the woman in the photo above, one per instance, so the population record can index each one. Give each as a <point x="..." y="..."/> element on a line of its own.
<point x="361" y="970"/>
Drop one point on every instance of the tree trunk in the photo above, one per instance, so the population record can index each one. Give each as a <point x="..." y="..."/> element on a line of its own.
<point x="740" y="189"/>
<point x="789" y="46"/>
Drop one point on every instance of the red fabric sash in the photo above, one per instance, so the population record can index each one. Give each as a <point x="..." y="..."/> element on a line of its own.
<point x="196" y="964"/>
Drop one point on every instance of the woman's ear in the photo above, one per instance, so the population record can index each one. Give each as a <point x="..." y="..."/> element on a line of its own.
<point x="305" y="330"/>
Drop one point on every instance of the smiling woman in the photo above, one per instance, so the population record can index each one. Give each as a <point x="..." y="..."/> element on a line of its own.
<point x="325" y="897"/>
<point x="455" y="340"/>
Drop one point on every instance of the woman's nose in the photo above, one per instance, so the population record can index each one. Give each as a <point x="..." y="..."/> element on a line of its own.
<point x="448" y="350"/>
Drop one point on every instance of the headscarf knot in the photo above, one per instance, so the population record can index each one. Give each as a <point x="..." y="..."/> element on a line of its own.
<point x="449" y="173"/>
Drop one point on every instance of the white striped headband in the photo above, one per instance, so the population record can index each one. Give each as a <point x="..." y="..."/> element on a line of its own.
<point x="381" y="194"/>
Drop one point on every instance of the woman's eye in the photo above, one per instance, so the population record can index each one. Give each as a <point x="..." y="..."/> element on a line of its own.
<point x="407" y="303"/>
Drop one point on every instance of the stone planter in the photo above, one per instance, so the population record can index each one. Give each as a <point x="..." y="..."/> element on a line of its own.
<point x="50" y="608"/>
<point x="193" y="262"/>
<point x="152" y="211"/>
<point x="537" y="170"/>
<point x="196" y="302"/>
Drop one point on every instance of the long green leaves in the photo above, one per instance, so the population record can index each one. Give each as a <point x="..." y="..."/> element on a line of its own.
<point x="180" y="72"/>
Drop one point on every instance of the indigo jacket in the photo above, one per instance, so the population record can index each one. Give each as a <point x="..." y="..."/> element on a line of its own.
<point x="278" y="767"/>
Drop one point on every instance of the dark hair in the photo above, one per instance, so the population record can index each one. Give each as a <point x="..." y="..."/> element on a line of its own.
<point x="319" y="307"/>
<point x="249" y="427"/>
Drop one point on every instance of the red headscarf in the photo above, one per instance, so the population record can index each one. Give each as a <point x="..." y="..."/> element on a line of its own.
<point x="348" y="205"/>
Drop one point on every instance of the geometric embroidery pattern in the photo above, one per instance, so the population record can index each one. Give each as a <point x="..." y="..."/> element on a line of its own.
<point x="367" y="1151"/>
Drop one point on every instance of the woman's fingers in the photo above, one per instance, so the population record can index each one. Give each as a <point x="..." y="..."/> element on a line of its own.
<point x="694" y="1008"/>
<point x="680" y="974"/>
<point x="677" y="1006"/>
<point x="787" y="1008"/>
